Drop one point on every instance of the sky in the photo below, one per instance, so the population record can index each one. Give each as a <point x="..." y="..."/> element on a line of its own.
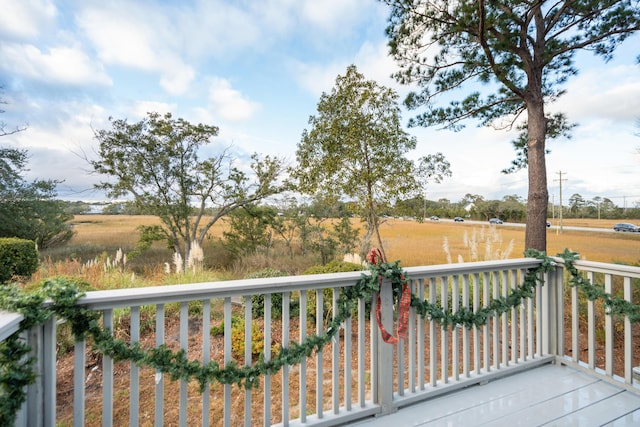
<point x="257" y="69"/>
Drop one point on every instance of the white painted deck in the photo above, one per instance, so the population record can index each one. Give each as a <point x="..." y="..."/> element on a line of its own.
<point x="551" y="395"/>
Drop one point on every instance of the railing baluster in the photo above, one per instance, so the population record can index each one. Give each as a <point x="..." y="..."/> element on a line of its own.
<point x="348" y="377"/>
<point x="539" y="316"/>
<point x="49" y="365"/>
<point x="335" y="360"/>
<point x="302" y="385"/>
<point x="184" y="345"/>
<point x="575" y="329"/>
<point x="107" y="375"/>
<point x="286" y="296"/>
<point x="531" y="338"/>
<point x="444" y="342"/>
<point x="608" y="330"/>
<point x="79" y="362"/>
<point x="412" y="342"/>
<point x="476" y="330"/>
<point x="496" y="321"/>
<point x="362" y="397"/>
<point x="486" y="329"/>
<point x="159" y="404"/>
<point x="400" y="352"/>
<point x="206" y="357"/>
<point x="591" y="334"/>
<point x="628" y="334"/>
<point x="465" y="332"/>
<point x="248" y="354"/>
<point x="420" y="332"/>
<point x="433" y="355"/>
<point x="545" y="323"/>
<point x="523" y="321"/>
<point x="558" y="316"/>
<point x="134" y="371"/>
<point x="373" y="349"/>
<point x="455" y="333"/>
<point x="505" y="321"/>
<point x="319" y="361"/>
<point x="513" y="279"/>
<point x="267" y="357"/>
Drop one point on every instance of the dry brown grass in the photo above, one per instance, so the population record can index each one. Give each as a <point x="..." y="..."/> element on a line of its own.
<point x="416" y="243"/>
<point x="411" y="242"/>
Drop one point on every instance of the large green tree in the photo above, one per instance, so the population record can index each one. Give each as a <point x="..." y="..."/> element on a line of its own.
<point x="521" y="51"/>
<point x="157" y="162"/>
<point x="356" y="149"/>
<point x="28" y="210"/>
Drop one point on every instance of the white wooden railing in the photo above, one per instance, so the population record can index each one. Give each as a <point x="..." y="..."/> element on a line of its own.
<point x="590" y="338"/>
<point x="359" y="376"/>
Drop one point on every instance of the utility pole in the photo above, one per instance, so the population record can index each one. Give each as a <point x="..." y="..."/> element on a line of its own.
<point x="560" y="180"/>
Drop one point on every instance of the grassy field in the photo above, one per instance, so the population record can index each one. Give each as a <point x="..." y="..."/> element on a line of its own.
<point x="423" y="244"/>
<point x="410" y="242"/>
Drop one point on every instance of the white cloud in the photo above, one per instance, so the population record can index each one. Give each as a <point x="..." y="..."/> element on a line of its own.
<point x="318" y="78"/>
<point x="138" y="37"/>
<point x="332" y="15"/>
<point x="119" y="38"/>
<point x="229" y="103"/>
<point x="25" y="19"/>
<point x="612" y="92"/>
<point x="60" y="65"/>
<point x="176" y="79"/>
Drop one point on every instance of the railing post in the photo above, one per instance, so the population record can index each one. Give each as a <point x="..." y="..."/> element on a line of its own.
<point x="385" y="351"/>
<point x="555" y="311"/>
<point x="39" y="410"/>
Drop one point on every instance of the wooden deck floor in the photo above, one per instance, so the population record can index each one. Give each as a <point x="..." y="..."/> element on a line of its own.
<point x="550" y="395"/>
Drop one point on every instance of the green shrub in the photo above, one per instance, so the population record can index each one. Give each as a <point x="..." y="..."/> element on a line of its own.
<point x="333" y="267"/>
<point x="237" y="337"/>
<point x="18" y="257"/>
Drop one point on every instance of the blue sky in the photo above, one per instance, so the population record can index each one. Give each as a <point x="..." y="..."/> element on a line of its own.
<point x="257" y="69"/>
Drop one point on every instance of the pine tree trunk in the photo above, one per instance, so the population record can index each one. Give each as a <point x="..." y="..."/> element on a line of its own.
<point x="538" y="197"/>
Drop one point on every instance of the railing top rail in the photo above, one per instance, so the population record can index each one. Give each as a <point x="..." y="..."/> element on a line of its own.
<point x="234" y="288"/>
<point x="223" y="289"/>
<point x="471" y="267"/>
<point x="9" y="324"/>
<point x="607" y="268"/>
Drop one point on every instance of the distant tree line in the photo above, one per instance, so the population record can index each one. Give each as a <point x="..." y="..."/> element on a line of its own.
<point x="510" y="208"/>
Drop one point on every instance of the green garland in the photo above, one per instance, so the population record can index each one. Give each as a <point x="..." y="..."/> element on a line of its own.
<point x="615" y="306"/>
<point x="17" y="369"/>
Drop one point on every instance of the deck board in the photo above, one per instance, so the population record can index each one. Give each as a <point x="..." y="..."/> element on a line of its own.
<point x="548" y="395"/>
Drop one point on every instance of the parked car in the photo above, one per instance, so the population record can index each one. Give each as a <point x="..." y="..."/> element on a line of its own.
<point x="623" y="226"/>
<point x="458" y="219"/>
<point x="495" y="221"/>
<point x="434" y="218"/>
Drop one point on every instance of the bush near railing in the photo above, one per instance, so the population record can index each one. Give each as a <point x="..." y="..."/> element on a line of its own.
<point x="18" y="257"/>
<point x="17" y="370"/>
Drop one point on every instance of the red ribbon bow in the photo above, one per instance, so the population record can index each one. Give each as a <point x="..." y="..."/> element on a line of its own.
<point x="375" y="258"/>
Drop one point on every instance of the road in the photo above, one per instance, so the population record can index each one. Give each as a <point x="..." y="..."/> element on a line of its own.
<point x="553" y="227"/>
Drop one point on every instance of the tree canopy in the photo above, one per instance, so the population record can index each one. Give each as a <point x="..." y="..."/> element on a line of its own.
<point x="521" y="52"/>
<point x="157" y="162"/>
<point x="28" y="210"/>
<point x="356" y="148"/>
